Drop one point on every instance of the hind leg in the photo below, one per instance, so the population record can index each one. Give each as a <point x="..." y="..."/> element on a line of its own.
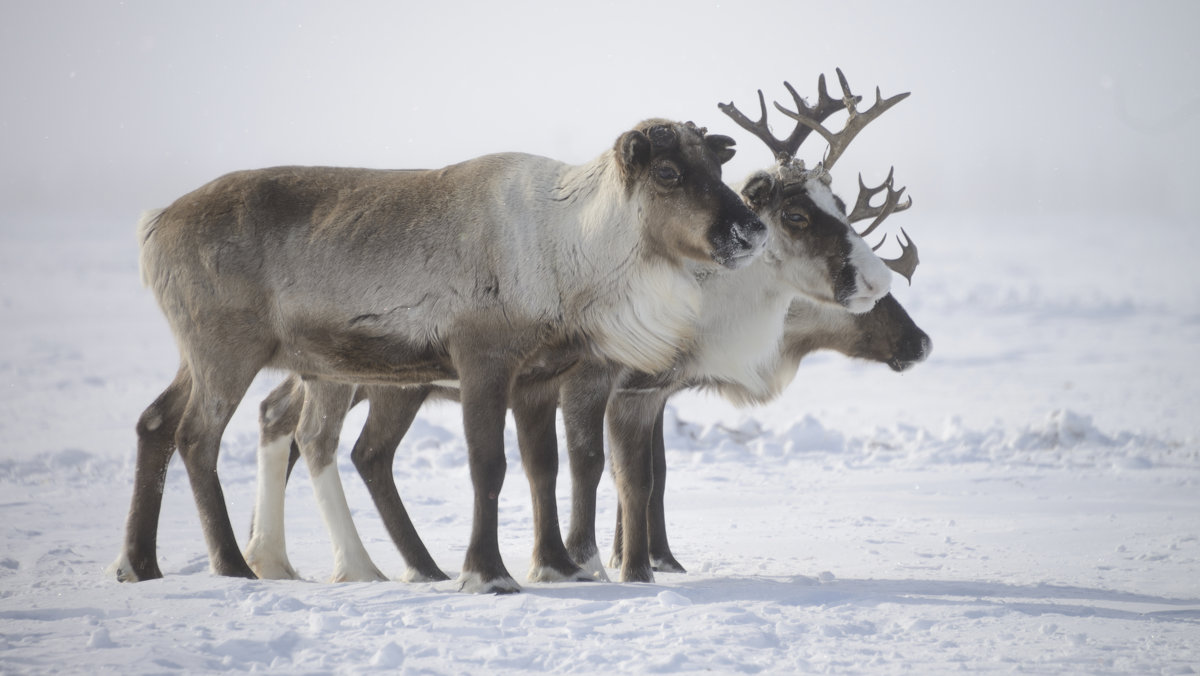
<point x="325" y="406"/>
<point x="279" y="413"/>
<point x="392" y="412"/>
<point x="222" y="369"/>
<point x="660" y="551"/>
<point x="156" y="444"/>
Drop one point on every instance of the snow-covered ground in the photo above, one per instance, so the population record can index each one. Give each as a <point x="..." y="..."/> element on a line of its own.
<point x="1026" y="500"/>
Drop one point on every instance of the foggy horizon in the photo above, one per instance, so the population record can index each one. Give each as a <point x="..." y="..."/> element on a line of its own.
<point x="1068" y="108"/>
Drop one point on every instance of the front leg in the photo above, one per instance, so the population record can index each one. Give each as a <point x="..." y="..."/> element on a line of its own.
<point x="631" y="426"/>
<point x="534" y="408"/>
<point x="584" y="397"/>
<point x="484" y="393"/>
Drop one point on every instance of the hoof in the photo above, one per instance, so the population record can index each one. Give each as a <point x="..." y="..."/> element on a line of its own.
<point x="551" y="574"/>
<point x="371" y="574"/>
<point x="415" y="575"/>
<point x="594" y="569"/>
<point x="667" y="564"/>
<point x="615" y="560"/>
<point x="234" y="571"/>
<point x="637" y="574"/>
<point x="473" y="583"/>
<point x="123" y="571"/>
<point x="271" y="569"/>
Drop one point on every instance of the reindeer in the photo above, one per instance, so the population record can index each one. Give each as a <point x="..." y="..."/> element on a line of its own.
<point x="392" y="412"/>
<point x="504" y="264"/>
<point x="803" y="214"/>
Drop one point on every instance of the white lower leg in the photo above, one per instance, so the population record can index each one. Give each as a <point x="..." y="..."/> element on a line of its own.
<point x="351" y="563"/>
<point x="266" y="553"/>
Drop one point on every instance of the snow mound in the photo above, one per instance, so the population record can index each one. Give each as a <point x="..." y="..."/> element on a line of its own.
<point x="1063" y="439"/>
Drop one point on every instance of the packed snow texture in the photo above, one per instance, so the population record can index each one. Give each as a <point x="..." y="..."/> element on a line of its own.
<point x="1024" y="501"/>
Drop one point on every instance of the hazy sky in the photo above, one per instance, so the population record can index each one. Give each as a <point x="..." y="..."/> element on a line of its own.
<point x="109" y="108"/>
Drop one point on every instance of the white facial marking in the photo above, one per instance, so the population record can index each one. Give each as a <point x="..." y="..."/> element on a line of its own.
<point x="872" y="278"/>
<point x="823" y="197"/>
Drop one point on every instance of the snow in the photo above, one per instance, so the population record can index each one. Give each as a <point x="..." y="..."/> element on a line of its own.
<point x="1024" y="501"/>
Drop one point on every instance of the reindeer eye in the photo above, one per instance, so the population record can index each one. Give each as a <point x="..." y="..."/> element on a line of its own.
<point x="797" y="219"/>
<point x="666" y="174"/>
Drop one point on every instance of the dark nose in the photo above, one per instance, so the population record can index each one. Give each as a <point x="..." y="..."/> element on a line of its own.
<point x="914" y="347"/>
<point x="750" y="234"/>
<point x="751" y="226"/>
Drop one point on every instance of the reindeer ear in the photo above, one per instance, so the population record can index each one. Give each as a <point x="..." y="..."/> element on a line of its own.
<point x="758" y="189"/>
<point x="722" y="146"/>
<point x="633" y="148"/>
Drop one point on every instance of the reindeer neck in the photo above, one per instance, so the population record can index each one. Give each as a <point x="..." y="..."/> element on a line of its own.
<point x="740" y="330"/>
<point x="637" y="308"/>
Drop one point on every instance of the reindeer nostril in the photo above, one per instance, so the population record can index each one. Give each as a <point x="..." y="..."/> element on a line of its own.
<point x="740" y="236"/>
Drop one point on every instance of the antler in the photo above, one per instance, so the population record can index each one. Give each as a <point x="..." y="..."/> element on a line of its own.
<point x="785" y="149"/>
<point x="891" y="204"/>
<point x="854" y="124"/>
<point x="907" y="263"/>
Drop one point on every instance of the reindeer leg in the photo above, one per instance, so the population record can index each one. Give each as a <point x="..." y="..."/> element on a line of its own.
<point x="392" y="412"/>
<point x="278" y="415"/>
<point x="484" y="392"/>
<point x="220" y="379"/>
<point x="325" y="406"/>
<point x="630" y="433"/>
<point x="533" y="410"/>
<point x="660" y="552"/>
<point x="584" y="397"/>
<point x="156" y="444"/>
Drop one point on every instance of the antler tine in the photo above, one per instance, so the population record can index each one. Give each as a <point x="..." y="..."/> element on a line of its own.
<point x="891" y="204"/>
<point x="785" y="149"/>
<point x="854" y="124"/>
<point x="906" y="264"/>
<point x="760" y="129"/>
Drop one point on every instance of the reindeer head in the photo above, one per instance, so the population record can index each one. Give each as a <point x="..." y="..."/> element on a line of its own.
<point x="675" y="170"/>
<point x="813" y="242"/>
<point x="885" y="333"/>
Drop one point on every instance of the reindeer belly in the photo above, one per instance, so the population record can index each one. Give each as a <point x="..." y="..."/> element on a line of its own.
<point x="361" y="357"/>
